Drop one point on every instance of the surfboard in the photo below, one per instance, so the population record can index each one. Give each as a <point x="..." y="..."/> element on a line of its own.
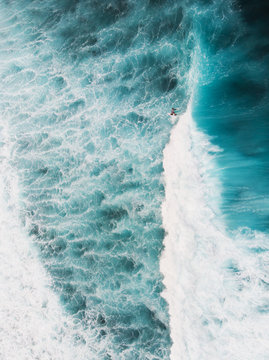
<point x="172" y="118"/>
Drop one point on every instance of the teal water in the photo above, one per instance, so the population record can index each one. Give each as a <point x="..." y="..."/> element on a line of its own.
<point x="84" y="87"/>
<point x="85" y="91"/>
<point x="232" y="107"/>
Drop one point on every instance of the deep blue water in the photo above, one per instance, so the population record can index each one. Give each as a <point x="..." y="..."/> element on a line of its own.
<point x="85" y="91"/>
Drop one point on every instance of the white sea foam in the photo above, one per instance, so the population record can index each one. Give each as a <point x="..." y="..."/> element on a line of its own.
<point x="215" y="285"/>
<point x="32" y="325"/>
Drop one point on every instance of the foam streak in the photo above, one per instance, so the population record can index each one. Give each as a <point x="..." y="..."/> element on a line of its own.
<point x="213" y="284"/>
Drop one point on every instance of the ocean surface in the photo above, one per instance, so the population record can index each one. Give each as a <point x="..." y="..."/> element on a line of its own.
<point x="126" y="233"/>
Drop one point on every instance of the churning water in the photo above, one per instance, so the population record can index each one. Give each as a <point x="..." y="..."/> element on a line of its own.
<point x="96" y="180"/>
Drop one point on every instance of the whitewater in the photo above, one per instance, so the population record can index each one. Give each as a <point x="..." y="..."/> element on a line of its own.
<point x="127" y="234"/>
<point x="216" y="202"/>
<point x="219" y="285"/>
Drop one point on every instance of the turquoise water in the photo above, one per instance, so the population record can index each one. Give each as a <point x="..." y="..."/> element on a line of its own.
<point x="232" y="107"/>
<point x="85" y="91"/>
<point x="84" y="88"/>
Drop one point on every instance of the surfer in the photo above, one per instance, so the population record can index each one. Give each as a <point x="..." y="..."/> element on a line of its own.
<point x="173" y="112"/>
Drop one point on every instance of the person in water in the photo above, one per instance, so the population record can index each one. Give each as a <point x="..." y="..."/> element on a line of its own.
<point x="173" y="112"/>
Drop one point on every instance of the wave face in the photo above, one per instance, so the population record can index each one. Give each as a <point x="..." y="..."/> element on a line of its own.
<point x="85" y="91"/>
<point x="232" y="107"/>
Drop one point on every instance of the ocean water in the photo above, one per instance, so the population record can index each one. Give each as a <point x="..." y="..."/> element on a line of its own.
<point x="125" y="235"/>
<point x="216" y="173"/>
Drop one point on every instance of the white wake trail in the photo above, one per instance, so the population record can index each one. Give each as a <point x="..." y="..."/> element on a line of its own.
<point x="213" y="284"/>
